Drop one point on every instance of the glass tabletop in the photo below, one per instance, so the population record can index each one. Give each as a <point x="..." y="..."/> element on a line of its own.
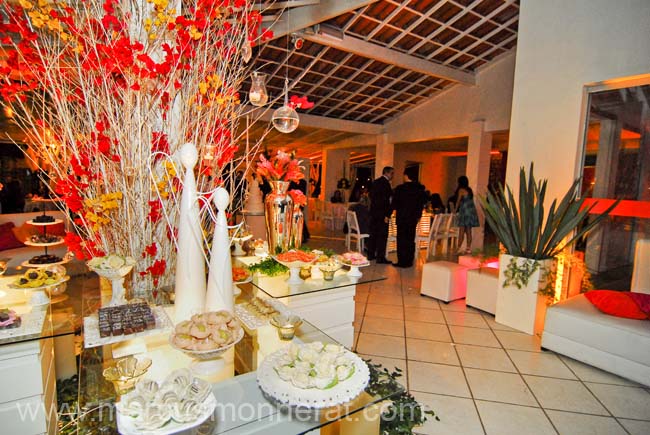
<point x="242" y="407"/>
<point x="277" y="286"/>
<point x="39" y="313"/>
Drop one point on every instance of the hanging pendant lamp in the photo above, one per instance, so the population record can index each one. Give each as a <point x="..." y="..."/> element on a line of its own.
<point x="285" y="119"/>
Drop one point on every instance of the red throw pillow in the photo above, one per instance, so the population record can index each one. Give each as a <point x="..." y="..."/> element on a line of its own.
<point x="615" y="303"/>
<point x="8" y="239"/>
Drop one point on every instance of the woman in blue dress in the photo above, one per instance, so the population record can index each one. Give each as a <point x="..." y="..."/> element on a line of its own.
<point x="466" y="217"/>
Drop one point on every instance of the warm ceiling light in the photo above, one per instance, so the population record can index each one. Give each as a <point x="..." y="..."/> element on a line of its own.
<point x="9" y="113"/>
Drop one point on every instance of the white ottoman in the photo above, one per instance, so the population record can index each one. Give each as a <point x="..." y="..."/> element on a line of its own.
<point x="469" y="261"/>
<point x="482" y="287"/>
<point x="444" y="280"/>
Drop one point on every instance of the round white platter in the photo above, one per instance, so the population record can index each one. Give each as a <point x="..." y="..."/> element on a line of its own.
<point x="43" y="224"/>
<point x="285" y="393"/>
<point x="126" y="424"/>
<point x="28" y="243"/>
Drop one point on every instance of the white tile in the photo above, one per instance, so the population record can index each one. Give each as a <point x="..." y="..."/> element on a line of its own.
<point x="489" y="318"/>
<point x="626" y="402"/>
<point x="499" y="387"/>
<point x="636" y="427"/>
<point x="477" y="336"/>
<point x="424" y="315"/>
<point x="431" y="351"/>
<point x="384" y="311"/>
<point x="505" y="419"/>
<point x="377" y="325"/>
<point x="457" y="415"/>
<point x="385" y="299"/>
<point x="564" y="395"/>
<point x="437" y="378"/>
<point x="465" y="319"/>
<point x="390" y="363"/>
<point x="541" y="364"/>
<point x="417" y="301"/>
<point x="381" y="345"/>
<point x="427" y="331"/>
<point x="487" y="358"/>
<point x="458" y="305"/>
<point x="519" y="341"/>
<point x="571" y="423"/>
<point x="589" y="373"/>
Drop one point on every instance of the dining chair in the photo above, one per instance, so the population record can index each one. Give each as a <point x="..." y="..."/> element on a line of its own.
<point x="354" y="231"/>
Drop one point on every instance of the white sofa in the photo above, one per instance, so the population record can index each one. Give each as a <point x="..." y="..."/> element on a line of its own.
<point x="576" y="328"/>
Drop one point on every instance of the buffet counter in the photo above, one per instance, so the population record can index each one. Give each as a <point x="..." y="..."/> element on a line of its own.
<point x="28" y="370"/>
<point x="241" y="405"/>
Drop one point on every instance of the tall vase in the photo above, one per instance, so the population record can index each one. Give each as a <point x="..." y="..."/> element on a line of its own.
<point x="297" y="222"/>
<point x="278" y="210"/>
<point x="190" y="262"/>
<point x="220" y="294"/>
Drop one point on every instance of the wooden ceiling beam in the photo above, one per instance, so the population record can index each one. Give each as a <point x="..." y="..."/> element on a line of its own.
<point x="306" y="16"/>
<point x="392" y="57"/>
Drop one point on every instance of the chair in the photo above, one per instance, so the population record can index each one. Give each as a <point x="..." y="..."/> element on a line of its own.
<point x="443" y="234"/>
<point x="327" y="215"/>
<point x="354" y="231"/>
<point x="391" y="241"/>
<point x="423" y="229"/>
<point x="433" y="231"/>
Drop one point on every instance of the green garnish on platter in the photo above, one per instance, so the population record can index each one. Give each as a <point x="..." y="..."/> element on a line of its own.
<point x="268" y="267"/>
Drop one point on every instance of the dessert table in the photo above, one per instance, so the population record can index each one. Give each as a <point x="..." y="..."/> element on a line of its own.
<point x="328" y="305"/>
<point x="28" y="370"/>
<point x="242" y="407"/>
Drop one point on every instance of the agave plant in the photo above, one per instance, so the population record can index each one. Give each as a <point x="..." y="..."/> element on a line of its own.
<point x="525" y="230"/>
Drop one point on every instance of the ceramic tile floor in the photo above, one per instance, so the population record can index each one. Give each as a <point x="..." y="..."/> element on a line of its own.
<point x="482" y="377"/>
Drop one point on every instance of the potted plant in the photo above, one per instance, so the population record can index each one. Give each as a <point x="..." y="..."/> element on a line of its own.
<point x="532" y="239"/>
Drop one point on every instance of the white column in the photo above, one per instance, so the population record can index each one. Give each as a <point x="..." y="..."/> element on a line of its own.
<point x="384" y="154"/>
<point x="477" y="170"/>
<point x="333" y="164"/>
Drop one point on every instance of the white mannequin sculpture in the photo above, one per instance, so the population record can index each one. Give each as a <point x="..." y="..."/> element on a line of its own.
<point x="190" y="263"/>
<point x="220" y="294"/>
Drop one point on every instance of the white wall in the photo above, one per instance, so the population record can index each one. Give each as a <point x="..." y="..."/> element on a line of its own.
<point x="450" y="113"/>
<point x="563" y="46"/>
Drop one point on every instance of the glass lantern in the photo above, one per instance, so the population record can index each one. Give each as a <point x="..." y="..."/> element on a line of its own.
<point x="285" y="119"/>
<point x="257" y="94"/>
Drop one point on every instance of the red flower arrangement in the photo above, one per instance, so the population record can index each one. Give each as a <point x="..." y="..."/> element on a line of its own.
<point x="282" y="167"/>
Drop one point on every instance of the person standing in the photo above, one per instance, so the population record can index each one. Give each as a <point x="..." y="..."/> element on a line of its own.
<point x="380" y="211"/>
<point x="408" y="202"/>
<point x="467" y="217"/>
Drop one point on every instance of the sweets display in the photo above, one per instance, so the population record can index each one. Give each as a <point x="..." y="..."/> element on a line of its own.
<point x="207" y="331"/>
<point x="296" y="256"/>
<point x="260" y="306"/>
<point x="314" y="365"/>
<point x="44" y="219"/>
<point x="354" y="259"/>
<point x="34" y="278"/>
<point x="181" y="398"/>
<point x="110" y="262"/>
<point x="125" y="319"/>
<point x="240" y="274"/>
<point x="45" y="238"/>
<point x="45" y="259"/>
<point x="9" y="319"/>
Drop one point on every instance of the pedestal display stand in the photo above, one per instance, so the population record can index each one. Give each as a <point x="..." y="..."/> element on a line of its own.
<point x="44" y="221"/>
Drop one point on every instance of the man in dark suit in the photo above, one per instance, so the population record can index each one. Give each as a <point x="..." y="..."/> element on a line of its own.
<point x="408" y="201"/>
<point x="380" y="211"/>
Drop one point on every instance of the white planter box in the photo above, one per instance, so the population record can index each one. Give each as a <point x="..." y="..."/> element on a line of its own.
<point x="522" y="309"/>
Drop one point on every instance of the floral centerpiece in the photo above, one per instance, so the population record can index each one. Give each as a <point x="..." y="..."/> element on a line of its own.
<point x="107" y="91"/>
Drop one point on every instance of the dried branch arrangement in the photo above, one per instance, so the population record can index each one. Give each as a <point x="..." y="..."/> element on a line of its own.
<point x="106" y="93"/>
